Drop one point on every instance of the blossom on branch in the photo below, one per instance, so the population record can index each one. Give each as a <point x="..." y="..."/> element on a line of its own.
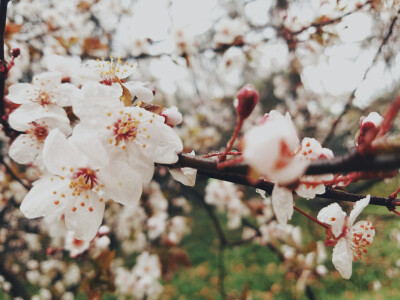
<point x="78" y="184"/>
<point x="133" y="133"/>
<point x="350" y="240"/>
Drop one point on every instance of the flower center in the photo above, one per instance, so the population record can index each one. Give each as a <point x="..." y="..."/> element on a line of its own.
<point x="82" y="180"/>
<point x="285" y="156"/>
<point x="111" y="72"/>
<point x="360" y="237"/>
<point x="40" y="132"/>
<point x="43" y="98"/>
<point x="125" y="129"/>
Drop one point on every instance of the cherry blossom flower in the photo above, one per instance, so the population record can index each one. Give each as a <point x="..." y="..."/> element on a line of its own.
<point x="227" y="31"/>
<point x="78" y="184"/>
<point x="27" y="148"/>
<point x="270" y="149"/>
<point x="46" y="90"/>
<point x="312" y="150"/>
<point x="114" y="73"/>
<point x="129" y="40"/>
<point x="134" y="132"/>
<point x="350" y="240"/>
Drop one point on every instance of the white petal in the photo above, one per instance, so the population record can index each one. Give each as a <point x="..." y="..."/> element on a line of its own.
<point x="121" y="183"/>
<point x="24" y="149"/>
<point x="92" y="148"/>
<point x="357" y="209"/>
<point x="98" y="101"/>
<point x="186" y="176"/>
<point x="309" y="192"/>
<point x="141" y="164"/>
<point x="333" y="215"/>
<point x="159" y="142"/>
<point x="342" y="258"/>
<point x="59" y="155"/>
<point x="39" y="201"/>
<point x="47" y="79"/>
<point x="30" y="112"/>
<point x="282" y="203"/>
<point x="291" y="172"/>
<point x="21" y="93"/>
<point x="65" y="93"/>
<point x="85" y="220"/>
<point x="139" y="91"/>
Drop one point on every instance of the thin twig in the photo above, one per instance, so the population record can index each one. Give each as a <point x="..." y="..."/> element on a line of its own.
<point x="323" y="23"/>
<point x="13" y="174"/>
<point x="352" y="96"/>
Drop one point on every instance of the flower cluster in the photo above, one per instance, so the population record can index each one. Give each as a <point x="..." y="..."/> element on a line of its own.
<point x="108" y="154"/>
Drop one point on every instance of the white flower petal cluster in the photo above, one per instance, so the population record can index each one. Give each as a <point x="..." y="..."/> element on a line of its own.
<point x="273" y="151"/>
<point x="110" y="154"/>
<point x="225" y="196"/>
<point x="350" y="240"/>
<point x="142" y="281"/>
<point x="228" y="30"/>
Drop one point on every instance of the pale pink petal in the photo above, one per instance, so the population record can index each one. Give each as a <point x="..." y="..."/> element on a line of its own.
<point x="357" y="209"/>
<point x="333" y="215"/>
<point x="342" y="258"/>
<point x="43" y="196"/>
<point x="282" y="203"/>
<point x="24" y="149"/>
<point x="84" y="220"/>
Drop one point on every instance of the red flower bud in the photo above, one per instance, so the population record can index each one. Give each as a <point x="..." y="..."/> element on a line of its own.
<point x="247" y="99"/>
<point x="15" y="52"/>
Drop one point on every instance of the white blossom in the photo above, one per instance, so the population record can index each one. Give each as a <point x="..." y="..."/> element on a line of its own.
<point x="350" y="240"/>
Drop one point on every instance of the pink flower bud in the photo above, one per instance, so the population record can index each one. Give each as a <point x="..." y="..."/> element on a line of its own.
<point x="247" y="99"/>
<point x="369" y="127"/>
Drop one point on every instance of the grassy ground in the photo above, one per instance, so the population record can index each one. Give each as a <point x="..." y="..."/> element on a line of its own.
<point x="258" y="269"/>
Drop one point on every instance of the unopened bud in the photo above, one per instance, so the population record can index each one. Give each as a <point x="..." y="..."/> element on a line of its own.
<point x="15" y="52"/>
<point x="172" y="116"/>
<point x="369" y="127"/>
<point x="246" y="100"/>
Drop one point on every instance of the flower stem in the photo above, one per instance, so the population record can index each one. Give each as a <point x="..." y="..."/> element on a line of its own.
<point x="311" y="218"/>
<point x="232" y="140"/>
